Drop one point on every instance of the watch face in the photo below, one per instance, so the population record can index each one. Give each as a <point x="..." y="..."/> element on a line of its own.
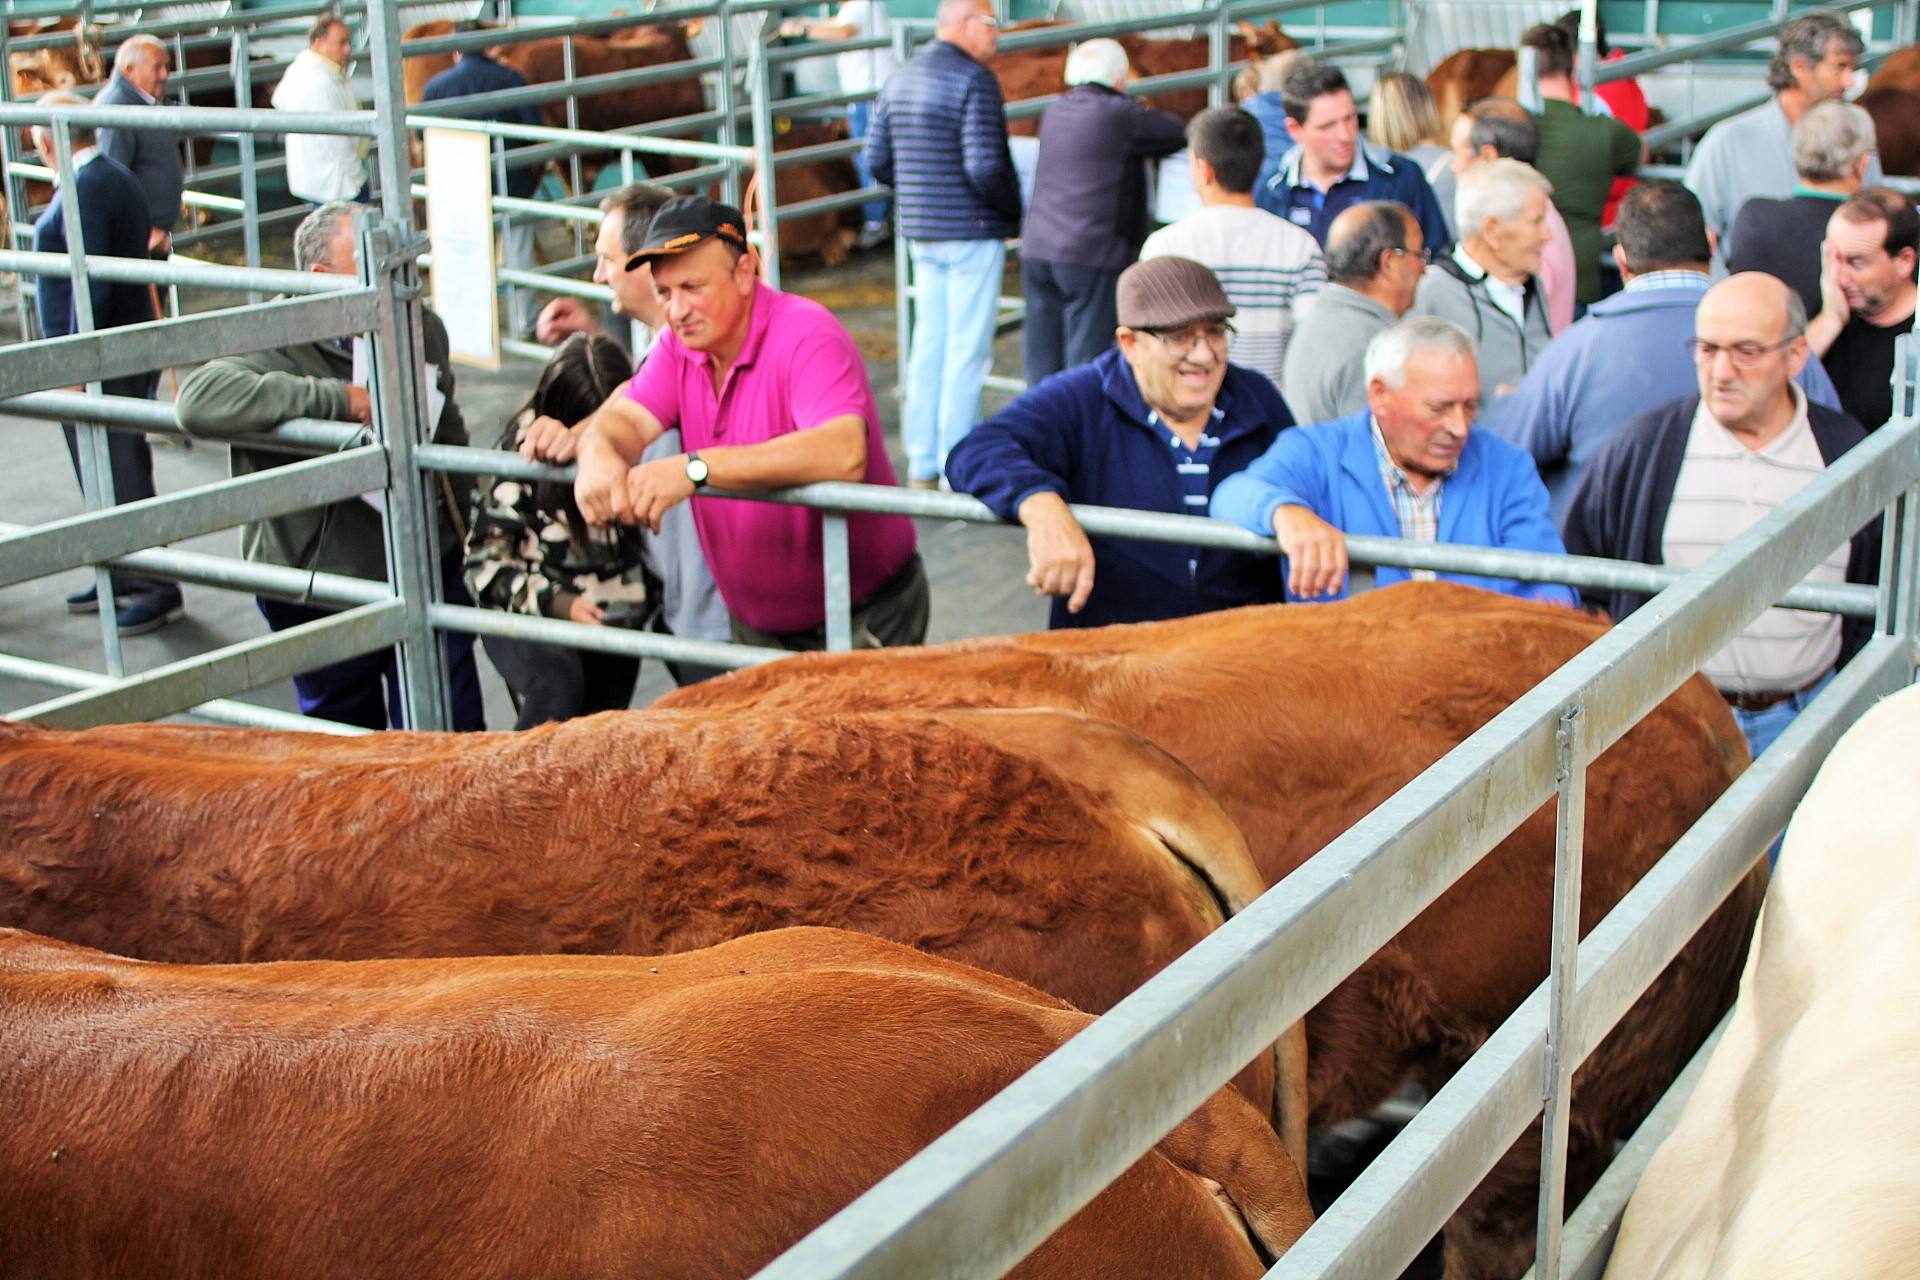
<point x="697" y="470"/>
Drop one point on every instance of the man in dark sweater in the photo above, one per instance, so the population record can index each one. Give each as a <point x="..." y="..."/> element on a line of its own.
<point x="1089" y="213"/>
<point x="1832" y="147"/>
<point x="151" y="155"/>
<point x="1154" y="425"/>
<point x="939" y="139"/>
<point x="1679" y="482"/>
<point x="1867" y="298"/>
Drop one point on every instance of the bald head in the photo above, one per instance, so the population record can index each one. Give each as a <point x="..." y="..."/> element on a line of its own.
<point x="1766" y="302"/>
<point x="1749" y="344"/>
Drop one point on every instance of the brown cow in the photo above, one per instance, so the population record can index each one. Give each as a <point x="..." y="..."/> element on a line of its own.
<point x="1467" y="75"/>
<point x="1896" y="127"/>
<point x="554" y="1116"/>
<point x="1038" y="73"/>
<point x="1058" y="850"/>
<point x="36" y="71"/>
<point x="1303" y="719"/>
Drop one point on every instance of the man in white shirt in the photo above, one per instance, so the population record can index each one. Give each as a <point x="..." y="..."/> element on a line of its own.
<point x="1268" y="266"/>
<point x="323" y="167"/>
<point x="1679" y="482"/>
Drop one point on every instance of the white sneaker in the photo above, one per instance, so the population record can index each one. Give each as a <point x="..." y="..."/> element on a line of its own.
<point x="874" y="233"/>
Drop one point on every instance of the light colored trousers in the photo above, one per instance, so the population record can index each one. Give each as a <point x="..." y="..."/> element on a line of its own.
<point x="957" y="283"/>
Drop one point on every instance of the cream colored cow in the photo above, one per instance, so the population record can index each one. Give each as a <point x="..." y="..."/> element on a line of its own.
<point x="1799" y="1154"/>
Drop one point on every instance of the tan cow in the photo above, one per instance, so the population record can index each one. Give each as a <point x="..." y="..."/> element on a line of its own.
<point x="1301" y="719"/>
<point x="1798" y="1154"/>
<point x="685" y="1116"/>
<point x="1060" y="851"/>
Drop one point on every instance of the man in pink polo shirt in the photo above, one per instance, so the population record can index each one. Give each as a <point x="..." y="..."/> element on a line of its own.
<point x="768" y="390"/>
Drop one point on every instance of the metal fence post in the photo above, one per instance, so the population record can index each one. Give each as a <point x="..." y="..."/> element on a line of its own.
<point x="839" y="580"/>
<point x="96" y="459"/>
<point x="727" y="81"/>
<point x="1570" y="827"/>
<point x="1899" y="607"/>
<point x="395" y="359"/>
<point x="760" y="78"/>
<point x="16" y="186"/>
<point x="249" y="182"/>
<point x="1220" y="55"/>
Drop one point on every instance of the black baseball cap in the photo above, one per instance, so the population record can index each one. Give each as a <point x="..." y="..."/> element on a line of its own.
<point x="687" y="222"/>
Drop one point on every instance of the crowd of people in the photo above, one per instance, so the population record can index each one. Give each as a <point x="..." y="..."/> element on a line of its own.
<point x="1412" y="333"/>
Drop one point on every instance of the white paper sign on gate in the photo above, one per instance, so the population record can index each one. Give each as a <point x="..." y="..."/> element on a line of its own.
<point x="459" y="177"/>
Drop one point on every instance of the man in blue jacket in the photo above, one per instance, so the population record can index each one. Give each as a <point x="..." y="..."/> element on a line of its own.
<point x="1329" y="168"/>
<point x="1410" y="466"/>
<point x="939" y="139"/>
<point x="1153" y="425"/>
<point x="1630" y="352"/>
<point x="114" y="222"/>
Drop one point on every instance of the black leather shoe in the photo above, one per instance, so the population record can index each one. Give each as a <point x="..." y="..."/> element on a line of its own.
<point x="144" y="613"/>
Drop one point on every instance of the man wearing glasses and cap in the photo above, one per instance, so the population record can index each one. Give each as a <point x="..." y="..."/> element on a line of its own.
<point x="768" y="390"/>
<point x="1154" y="425"/>
<point x="1679" y="482"/>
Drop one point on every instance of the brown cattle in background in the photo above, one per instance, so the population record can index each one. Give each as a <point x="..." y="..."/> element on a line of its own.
<point x="1896" y="128"/>
<point x="1302" y="719"/>
<point x="1900" y="70"/>
<point x="1061" y="851"/>
<point x="1467" y="75"/>
<point x="674" y="1117"/>
<point x="74" y="66"/>
<point x="1038" y="73"/>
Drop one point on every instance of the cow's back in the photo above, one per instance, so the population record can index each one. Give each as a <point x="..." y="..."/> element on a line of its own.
<point x="559" y="1116"/>
<point x="1795" y="1156"/>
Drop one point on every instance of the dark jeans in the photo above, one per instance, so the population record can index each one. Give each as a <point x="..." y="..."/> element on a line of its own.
<point x="1070" y="315"/>
<point x="365" y="689"/>
<point x="130" y="459"/>
<point x="555" y="683"/>
<point x="895" y="614"/>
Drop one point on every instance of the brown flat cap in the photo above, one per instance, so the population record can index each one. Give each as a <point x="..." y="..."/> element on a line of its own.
<point x="1169" y="293"/>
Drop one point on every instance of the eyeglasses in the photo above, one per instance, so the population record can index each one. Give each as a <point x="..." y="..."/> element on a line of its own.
<point x="1745" y="355"/>
<point x="1425" y="255"/>
<point x="1180" y="345"/>
<point x="985" y="19"/>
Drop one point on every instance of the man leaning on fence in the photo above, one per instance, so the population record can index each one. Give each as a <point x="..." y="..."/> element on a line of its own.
<point x="234" y="395"/>
<point x="1679" y="482"/>
<point x="113" y="223"/>
<point x="1153" y="425"/>
<point x="939" y="138"/>
<point x="768" y="390"/>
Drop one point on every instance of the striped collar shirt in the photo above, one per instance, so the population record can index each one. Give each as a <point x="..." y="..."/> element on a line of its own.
<point x="1696" y="280"/>
<point x="1194" y="467"/>
<point x="1418" y="513"/>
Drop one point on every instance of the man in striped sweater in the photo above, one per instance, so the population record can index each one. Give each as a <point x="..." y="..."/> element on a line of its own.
<point x="1267" y="265"/>
<point x="939" y="139"/>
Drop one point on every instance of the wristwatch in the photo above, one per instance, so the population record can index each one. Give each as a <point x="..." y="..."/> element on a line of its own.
<point x="697" y="470"/>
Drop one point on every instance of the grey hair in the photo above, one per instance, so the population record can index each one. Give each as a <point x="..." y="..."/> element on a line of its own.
<point x="1796" y="316"/>
<point x="313" y="239"/>
<point x="81" y="135"/>
<point x="1361" y="236"/>
<point x="1830" y="139"/>
<point x="1274" y="69"/>
<point x="1391" y="348"/>
<point x="1496" y="189"/>
<point x="953" y="12"/>
<point x="124" y="57"/>
<point x="1808" y="38"/>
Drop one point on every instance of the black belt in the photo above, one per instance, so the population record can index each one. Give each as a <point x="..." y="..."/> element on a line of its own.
<point x="1762" y="701"/>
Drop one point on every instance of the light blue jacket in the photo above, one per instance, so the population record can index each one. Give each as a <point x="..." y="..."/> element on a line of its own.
<point x="1494" y="498"/>
<point x="1628" y="355"/>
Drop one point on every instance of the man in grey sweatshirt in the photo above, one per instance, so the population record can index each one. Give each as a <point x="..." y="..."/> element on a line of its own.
<point x="1375" y="260"/>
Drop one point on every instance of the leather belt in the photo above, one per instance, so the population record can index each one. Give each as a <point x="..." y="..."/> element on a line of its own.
<point x="1763" y="701"/>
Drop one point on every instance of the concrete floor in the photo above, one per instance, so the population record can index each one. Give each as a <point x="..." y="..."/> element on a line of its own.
<point x="976" y="570"/>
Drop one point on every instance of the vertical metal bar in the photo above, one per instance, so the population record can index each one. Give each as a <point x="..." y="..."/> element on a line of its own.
<point x="1529" y="78"/>
<point x="180" y="65"/>
<point x="1589" y="55"/>
<point x="395" y="357"/>
<point x="903" y="313"/>
<point x="1570" y="772"/>
<point x="1220" y="55"/>
<point x="760" y="75"/>
<point x="573" y="112"/>
<point x="249" y="183"/>
<point x="16" y="189"/>
<point x="96" y="459"/>
<point x="728" y="82"/>
<point x="839" y="576"/>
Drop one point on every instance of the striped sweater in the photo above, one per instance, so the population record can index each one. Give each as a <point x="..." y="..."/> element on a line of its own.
<point x="939" y="139"/>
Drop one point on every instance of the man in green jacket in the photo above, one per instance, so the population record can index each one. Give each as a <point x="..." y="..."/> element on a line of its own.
<point x="236" y="395"/>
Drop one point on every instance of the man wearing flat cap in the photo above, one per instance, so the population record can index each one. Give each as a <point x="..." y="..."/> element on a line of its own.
<point x="768" y="390"/>
<point x="1154" y="424"/>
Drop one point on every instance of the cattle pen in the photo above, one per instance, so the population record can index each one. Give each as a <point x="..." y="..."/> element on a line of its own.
<point x="983" y="1195"/>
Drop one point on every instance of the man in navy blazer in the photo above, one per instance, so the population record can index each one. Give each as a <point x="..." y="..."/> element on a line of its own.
<point x="1408" y="466"/>
<point x="114" y="222"/>
<point x="151" y="155"/>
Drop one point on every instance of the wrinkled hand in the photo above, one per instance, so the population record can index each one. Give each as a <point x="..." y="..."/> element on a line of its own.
<point x="653" y="488"/>
<point x="159" y="240"/>
<point x="549" y="440"/>
<point x="561" y="319"/>
<point x="585" y="610"/>
<point x="359" y="403"/>
<point x="600" y="486"/>
<point x="1833" y="299"/>
<point x="1059" y="557"/>
<point x="1316" y="552"/>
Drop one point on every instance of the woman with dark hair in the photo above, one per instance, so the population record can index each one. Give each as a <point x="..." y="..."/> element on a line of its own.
<point x="530" y="551"/>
